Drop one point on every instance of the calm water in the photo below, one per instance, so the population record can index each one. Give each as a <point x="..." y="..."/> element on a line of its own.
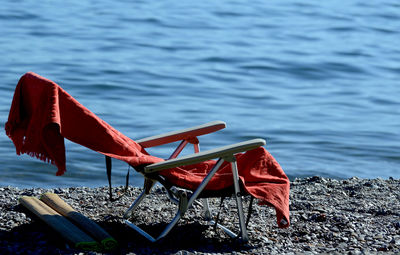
<point x="320" y="82"/>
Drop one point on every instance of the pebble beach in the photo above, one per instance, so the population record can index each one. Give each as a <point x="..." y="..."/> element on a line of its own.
<point x="328" y="216"/>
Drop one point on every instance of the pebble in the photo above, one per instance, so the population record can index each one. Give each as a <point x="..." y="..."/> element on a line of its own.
<point x="352" y="216"/>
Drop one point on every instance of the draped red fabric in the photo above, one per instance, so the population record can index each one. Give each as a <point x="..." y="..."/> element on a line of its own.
<point x="42" y="114"/>
<point x="260" y="173"/>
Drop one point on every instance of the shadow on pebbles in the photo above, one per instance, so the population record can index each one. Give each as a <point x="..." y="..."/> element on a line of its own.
<point x="352" y="216"/>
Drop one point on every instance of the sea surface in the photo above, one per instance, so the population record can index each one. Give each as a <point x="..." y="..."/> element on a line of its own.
<point x="319" y="80"/>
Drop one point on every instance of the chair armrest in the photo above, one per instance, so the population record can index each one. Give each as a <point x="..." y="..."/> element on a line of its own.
<point x="181" y="134"/>
<point x="221" y="152"/>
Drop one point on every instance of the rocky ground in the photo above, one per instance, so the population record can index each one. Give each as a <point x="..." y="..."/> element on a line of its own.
<point x="353" y="216"/>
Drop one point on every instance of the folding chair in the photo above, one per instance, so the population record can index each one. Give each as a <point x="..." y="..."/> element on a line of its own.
<point x="42" y="114"/>
<point x="185" y="199"/>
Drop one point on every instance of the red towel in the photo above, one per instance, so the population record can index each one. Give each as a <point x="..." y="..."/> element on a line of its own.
<point x="42" y="114"/>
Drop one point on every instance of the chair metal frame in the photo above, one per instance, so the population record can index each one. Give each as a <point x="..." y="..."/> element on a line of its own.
<point x="183" y="201"/>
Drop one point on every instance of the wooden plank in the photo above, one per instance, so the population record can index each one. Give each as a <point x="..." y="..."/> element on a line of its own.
<point x="65" y="228"/>
<point x="91" y="227"/>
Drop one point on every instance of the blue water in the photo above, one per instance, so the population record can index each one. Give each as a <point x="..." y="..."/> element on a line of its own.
<point x="320" y="81"/>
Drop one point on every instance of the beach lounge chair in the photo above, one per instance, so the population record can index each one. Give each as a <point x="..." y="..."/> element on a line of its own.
<point x="182" y="198"/>
<point x="42" y="114"/>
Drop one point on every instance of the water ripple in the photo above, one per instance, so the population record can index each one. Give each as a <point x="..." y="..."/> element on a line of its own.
<point x="318" y="80"/>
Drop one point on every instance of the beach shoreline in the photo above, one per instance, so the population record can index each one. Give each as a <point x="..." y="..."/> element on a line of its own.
<point x="353" y="216"/>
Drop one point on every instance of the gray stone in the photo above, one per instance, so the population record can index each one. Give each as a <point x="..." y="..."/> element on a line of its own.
<point x="324" y="220"/>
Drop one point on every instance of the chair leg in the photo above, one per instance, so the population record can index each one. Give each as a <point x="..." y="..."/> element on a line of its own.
<point x="181" y="209"/>
<point x="148" y="184"/>
<point x="239" y="204"/>
<point x="135" y="204"/>
<point x="193" y="197"/>
<point x="243" y="230"/>
<point x="168" y="228"/>
<point x="163" y="234"/>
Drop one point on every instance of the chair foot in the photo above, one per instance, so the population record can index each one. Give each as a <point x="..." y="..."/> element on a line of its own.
<point x="167" y="229"/>
<point x="242" y="237"/>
